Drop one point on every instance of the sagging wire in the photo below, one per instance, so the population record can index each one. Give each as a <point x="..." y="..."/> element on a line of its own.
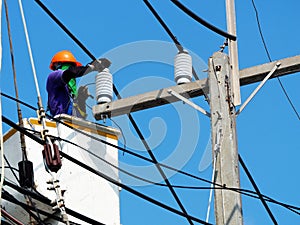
<point x="169" y="32"/>
<point x="131" y="119"/>
<point x="270" y="59"/>
<point x="147" y="159"/>
<point x="257" y="190"/>
<point x="122" y="133"/>
<point x="203" y="22"/>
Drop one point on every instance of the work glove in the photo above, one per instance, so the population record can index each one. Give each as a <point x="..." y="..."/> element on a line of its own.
<point x="99" y="64"/>
<point x="79" y="101"/>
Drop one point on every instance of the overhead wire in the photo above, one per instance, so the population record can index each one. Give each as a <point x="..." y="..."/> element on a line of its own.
<point x="169" y="32"/>
<point x="131" y="119"/>
<point x="203" y="22"/>
<point x="242" y="191"/>
<point x="270" y="59"/>
<point x="257" y="190"/>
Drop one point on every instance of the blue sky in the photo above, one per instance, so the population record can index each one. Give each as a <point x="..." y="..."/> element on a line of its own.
<point x="141" y="53"/>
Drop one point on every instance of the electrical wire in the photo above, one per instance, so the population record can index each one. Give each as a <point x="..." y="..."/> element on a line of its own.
<point x="12" y="169"/>
<point x="169" y="32"/>
<point x="270" y="59"/>
<point x="203" y="22"/>
<point x="257" y="190"/>
<point x="131" y="119"/>
<point x="219" y="186"/>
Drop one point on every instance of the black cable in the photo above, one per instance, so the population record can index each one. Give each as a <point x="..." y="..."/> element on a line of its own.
<point x="171" y="35"/>
<point x="257" y="190"/>
<point x="242" y="191"/>
<point x="81" y="164"/>
<point x="270" y="59"/>
<point x="12" y="169"/>
<point x="134" y="124"/>
<point x="203" y="22"/>
<point x="65" y="29"/>
<point x="163" y="24"/>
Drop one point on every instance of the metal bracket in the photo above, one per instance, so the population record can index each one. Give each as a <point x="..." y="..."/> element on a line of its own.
<point x="187" y="101"/>
<point x="258" y="88"/>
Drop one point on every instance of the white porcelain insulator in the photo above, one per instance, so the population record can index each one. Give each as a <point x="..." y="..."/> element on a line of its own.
<point x="104" y="87"/>
<point x="183" y="68"/>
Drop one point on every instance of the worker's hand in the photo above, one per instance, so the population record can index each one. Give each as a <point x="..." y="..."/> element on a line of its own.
<point x="83" y="94"/>
<point x="99" y="64"/>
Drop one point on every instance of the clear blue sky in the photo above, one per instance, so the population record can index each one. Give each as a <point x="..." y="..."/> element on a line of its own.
<point x="268" y="129"/>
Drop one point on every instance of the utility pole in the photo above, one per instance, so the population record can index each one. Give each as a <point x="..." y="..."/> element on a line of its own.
<point x="228" y="206"/>
<point x="224" y="90"/>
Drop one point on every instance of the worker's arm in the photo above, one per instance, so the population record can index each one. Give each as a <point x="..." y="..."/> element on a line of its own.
<point x="74" y="72"/>
<point x="79" y="71"/>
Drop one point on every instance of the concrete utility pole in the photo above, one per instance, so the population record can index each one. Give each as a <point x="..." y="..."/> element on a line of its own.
<point x="228" y="206"/>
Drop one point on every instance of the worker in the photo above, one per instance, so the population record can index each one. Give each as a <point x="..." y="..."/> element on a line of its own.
<point x="63" y="96"/>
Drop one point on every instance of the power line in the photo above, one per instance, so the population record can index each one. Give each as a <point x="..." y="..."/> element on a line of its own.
<point x="257" y="190"/>
<point x="169" y="32"/>
<point x="270" y="59"/>
<point x="202" y="21"/>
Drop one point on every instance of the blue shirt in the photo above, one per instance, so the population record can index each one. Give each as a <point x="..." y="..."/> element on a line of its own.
<point x="59" y="98"/>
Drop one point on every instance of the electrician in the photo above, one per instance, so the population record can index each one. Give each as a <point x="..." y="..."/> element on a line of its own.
<point x="63" y="96"/>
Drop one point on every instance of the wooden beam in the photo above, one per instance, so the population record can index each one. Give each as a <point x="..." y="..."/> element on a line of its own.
<point x="190" y="90"/>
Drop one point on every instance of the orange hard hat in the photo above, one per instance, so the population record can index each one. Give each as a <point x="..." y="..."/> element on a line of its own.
<point x="63" y="56"/>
